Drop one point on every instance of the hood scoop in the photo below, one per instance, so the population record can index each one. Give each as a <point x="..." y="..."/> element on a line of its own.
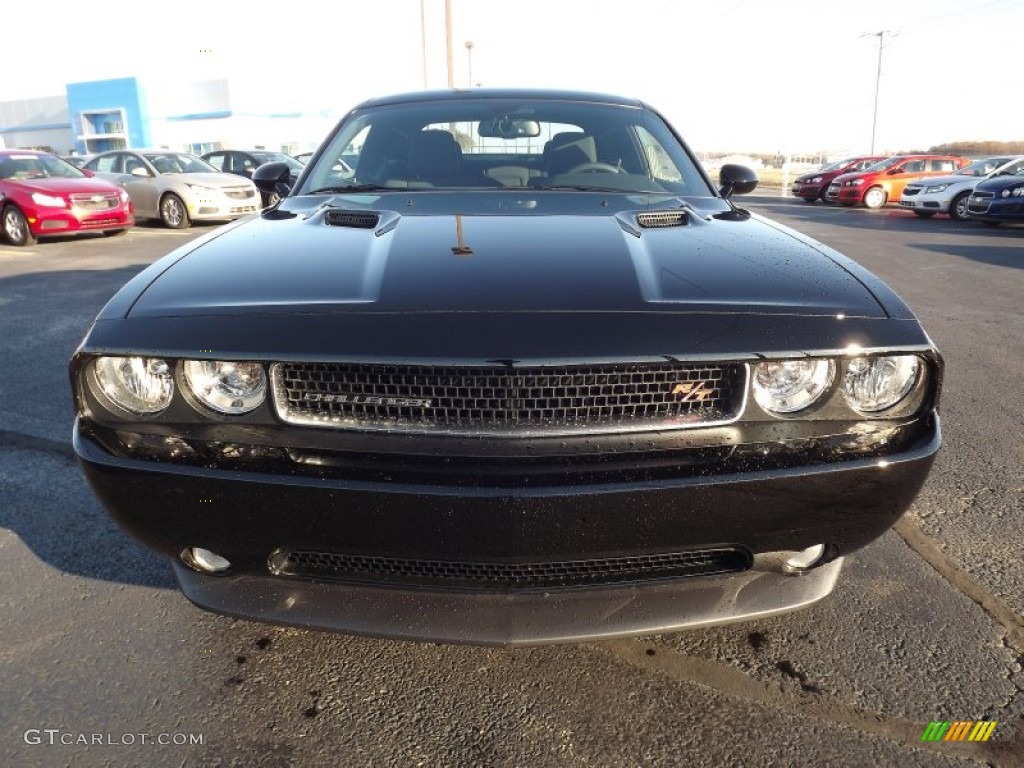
<point x="662" y="219"/>
<point x="352" y="219"/>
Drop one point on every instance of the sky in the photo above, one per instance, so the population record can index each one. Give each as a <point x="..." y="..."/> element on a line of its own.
<point x="789" y="76"/>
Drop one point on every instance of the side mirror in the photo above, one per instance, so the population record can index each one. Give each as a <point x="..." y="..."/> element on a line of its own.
<point x="893" y="171"/>
<point x="736" y="180"/>
<point x="273" y="177"/>
<point x="87" y="172"/>
<point x="139" y="171"/>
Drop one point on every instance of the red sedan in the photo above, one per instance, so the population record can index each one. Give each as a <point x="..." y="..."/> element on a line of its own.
<point x="42" y="196"/>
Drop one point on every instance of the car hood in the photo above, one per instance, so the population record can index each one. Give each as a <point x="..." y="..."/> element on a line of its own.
<point x="288" y="263"/>
<point x="59" y="186"/>
<point x="944" y="180"/>
<point x="999" y="183"/>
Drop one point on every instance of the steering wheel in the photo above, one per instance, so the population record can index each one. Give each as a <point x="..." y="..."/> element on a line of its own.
<point x="596" y="168"/>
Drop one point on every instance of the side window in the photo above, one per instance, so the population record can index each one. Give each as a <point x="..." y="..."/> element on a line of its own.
<point x="943" y="165"/>
<point x="914" y="166"/>
<point x="864" y="164"/>
<point x="216" y="160"/>
<point x="131" y="162"/>
<point x="659" y="164"/>
<point x="106" y="164"/>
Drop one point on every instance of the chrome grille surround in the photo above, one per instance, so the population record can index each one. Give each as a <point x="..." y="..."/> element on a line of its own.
<point x="520" y="402"/>
<point x="661" y="219"/>
<point x="497" y="575"/>
<point x="239" y="193"/>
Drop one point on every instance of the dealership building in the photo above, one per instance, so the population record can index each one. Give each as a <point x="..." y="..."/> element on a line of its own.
<point x="125" y="112"/>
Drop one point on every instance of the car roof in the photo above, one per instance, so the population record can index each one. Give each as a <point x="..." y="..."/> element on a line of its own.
<point x="500" y="93"/>
<point x="23" y="152"/>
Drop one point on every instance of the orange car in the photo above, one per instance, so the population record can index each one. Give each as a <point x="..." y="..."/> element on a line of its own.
<point x="884" y="181"/>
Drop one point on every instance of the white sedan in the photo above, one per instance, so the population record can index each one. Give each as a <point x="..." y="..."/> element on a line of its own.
<point x="948" y="194"/>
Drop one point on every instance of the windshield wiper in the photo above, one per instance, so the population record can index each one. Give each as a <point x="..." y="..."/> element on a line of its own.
<point x="356" y="188"/>
<point x="579" y="188"/>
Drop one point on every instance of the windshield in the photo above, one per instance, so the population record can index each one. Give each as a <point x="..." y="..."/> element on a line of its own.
<point x="883" y="164"/>
<point x="838" y="166"/>
<point x="37" y="167"/>
<point x="277" y="157"/>
<point x="983" y="167"/>
<point x="1015" y="168"/>
<point x="506" y="143"/>
<point x="179" y="162"/>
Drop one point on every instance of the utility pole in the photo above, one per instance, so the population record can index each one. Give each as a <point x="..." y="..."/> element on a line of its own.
<point x="448" y="36"/>
<point x="878" y="79"/>
<point x="469" y="54"/>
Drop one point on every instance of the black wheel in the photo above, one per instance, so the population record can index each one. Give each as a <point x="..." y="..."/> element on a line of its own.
<point x="15" y="228"/>
<point x="958" y="207"/>
<point x="924" y="214"/>
<point x="114" y="232"/>
<point x="809" y="199"/>
<point x="875" y="198"/>
<point x="173" y="213"/>
<point x="824" y="194"/>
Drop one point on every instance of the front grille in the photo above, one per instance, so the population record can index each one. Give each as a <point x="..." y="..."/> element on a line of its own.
<point x="98" y="202"/>
<point x="484" y="575"/>
<point x="239" y="193"/>
<point x="979" y="202"/>
<point x="523" y="401"/>
<point x="101" y="222"/>
<point x="911" y="191"/>
<point x="243" y="209"/>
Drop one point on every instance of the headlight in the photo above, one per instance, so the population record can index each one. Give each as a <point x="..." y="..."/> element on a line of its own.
<point x="855" y="183"/>
<point x="936" y="188"/>
<point x="815" y="180"/>
<point x="226" y="386"/>
<point x="873" y="384"/>
<point x="48" y="201"/>
<point x="202" y="191"/>
<point x="785" y="386"/>
<point x="1017" y="192"/>
<point x="139" y="385"/>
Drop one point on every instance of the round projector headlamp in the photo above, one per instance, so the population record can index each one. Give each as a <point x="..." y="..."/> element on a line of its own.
<point x="873" y="384"/>
<point x="226" y="386"/>
<point x="786" y="386"/>
<point x="139" y="385"/>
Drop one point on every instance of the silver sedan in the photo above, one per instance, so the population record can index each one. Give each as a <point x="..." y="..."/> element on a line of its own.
<point x="176" y="187"/>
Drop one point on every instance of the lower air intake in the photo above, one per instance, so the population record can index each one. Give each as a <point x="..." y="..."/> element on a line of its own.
<point x="485" y="575"/>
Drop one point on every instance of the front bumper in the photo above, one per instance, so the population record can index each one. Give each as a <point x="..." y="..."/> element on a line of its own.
<point x="62" y="221"/>
<point x="219" y="207"/>
<point x="809" y="191"/>
<point x="937" y="202"/>
<point x="996" y="209"/>
<point x="247" y="516"/>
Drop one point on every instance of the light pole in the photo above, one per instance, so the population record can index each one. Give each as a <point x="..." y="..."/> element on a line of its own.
<point x="878" y="79"/>
<point x="469" y="55"/>
<point x="448" y="38"/>
<point x="423" y="40"/>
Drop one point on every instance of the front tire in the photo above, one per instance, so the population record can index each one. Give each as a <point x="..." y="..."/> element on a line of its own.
<point x="958" y="207"/>
<point x="173" y="213"/>
<point x="15" y="227"/>
<point x="875" y="198"/>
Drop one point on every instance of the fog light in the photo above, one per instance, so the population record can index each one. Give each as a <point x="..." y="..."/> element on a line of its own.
<point x="204" y="560"/>
<point x="802" y="561"/>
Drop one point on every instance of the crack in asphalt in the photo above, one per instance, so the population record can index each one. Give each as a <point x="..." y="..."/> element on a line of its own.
<point x="730" y="681"/>
<point x="963" y="582"/>
<point x="9" y="439"/>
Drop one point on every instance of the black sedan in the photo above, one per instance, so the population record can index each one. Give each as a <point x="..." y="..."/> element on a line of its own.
<point x="523" y="374"/>
<point x="243" y="162"/>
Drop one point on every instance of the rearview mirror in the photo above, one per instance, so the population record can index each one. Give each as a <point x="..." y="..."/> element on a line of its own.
<point x="506" y="127"/>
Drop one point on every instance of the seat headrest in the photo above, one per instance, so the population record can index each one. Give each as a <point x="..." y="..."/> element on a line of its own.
<point x="434" y="155"/>
<point x="568" y="149"/>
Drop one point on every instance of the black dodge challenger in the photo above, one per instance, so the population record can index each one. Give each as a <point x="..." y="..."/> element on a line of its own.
<point x="514" y="371"/>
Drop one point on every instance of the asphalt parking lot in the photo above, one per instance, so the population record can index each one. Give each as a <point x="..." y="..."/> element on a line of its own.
<point x="927" y="623"/>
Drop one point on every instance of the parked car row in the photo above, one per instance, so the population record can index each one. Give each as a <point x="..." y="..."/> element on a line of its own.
<point x="990" y="189"/>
